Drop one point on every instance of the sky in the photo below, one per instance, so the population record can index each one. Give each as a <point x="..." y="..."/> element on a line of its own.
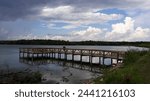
<point x="75" y="20"/>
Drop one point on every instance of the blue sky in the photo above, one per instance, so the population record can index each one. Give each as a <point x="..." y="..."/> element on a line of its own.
<point x="102" y="20"/>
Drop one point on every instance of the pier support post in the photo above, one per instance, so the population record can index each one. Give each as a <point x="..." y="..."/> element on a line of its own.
<point x="103" y="60"/>
<point x="72" y="57"/>
<point x="59" y="55"/>
<point x="90" y="59"/>
<point x="32" y="57"/>
<point x="81" y="58"/>
<point x="111" y="61"/>
<point x="54" y="55"/>
<point x="117" y="57"/>
<point x="23" y="54"/>
<point x="19" y="54"/>
<point x="42" y="55"/>
<point x="99" y="60"/>
<point x="37" y="55"/>
<point x="65" y="56"/>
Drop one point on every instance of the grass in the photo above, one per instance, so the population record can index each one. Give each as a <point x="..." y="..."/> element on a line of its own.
<point x="144" y="45"/>
<point x="136" y="70"/>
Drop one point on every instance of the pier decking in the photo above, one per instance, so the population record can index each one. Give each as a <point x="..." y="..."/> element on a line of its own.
<point x="62" y="53"/>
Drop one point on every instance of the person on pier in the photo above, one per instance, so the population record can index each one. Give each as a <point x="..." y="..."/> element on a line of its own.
<point x="64" y="48"/>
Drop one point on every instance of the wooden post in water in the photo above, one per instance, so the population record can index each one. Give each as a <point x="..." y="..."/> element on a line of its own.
<point x="32" y="57"/>
<point x="23" y="54"/>
<point x="65" y="56"/>
<point x="103" y="58"/>
<point x="54" y="55"/>
<point x="65" y="53"/>
<point x="91" y="60"/>
<point x="103" y="61"/>
<point x="72" y="55"/>
<point x="111" y="61"/>
<point x="59" y="55"/>
<point x="117" y="56"/>
<point x="99" y="60"/>
<point x="90" y="56"/>
<point x="81" y="56"/>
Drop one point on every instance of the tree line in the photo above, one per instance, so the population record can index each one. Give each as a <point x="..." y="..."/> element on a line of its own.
<point x="63" y="42"/>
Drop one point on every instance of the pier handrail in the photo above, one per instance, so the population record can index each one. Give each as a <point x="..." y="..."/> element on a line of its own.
<point x="74" y="49"/>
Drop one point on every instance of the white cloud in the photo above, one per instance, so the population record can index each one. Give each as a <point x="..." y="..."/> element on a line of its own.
<point x="91" y="33"/>
<point x="127" y="32"/>
<point x="69" y="15"/>
<point x="140" y="34"/>
<point x="120" y="32"/>
<point x="55" y="12"/>
<point x="69" y="27"/>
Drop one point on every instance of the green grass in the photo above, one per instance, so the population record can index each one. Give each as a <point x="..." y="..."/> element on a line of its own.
<point x="136" y="69"/>
<point x="144" y="45"/>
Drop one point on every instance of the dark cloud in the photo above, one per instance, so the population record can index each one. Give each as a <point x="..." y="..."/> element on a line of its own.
<point x="16" y="9"/>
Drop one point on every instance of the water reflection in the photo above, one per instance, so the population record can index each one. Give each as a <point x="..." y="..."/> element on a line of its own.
<point x="61" y="71"/>
<point x="95" y="68"/>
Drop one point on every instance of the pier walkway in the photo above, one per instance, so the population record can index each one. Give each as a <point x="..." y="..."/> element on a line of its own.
<point x="62" y="53"/>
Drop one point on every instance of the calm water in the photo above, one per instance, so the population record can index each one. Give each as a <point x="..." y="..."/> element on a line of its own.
<point x="54" y="71"/>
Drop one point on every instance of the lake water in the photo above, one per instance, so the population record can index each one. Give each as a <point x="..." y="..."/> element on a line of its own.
<point x="53" y="71"/>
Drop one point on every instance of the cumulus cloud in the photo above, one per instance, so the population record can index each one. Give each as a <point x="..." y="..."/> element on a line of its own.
<point x="90" y="33"/>
<point x="127" y="32"/>
<point x="120" y="32"/>
<point x="140" y="34"/>
<point x="69" y="15"/>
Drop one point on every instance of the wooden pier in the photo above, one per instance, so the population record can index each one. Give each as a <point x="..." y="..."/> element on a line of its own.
<point x="62" y="53"/>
